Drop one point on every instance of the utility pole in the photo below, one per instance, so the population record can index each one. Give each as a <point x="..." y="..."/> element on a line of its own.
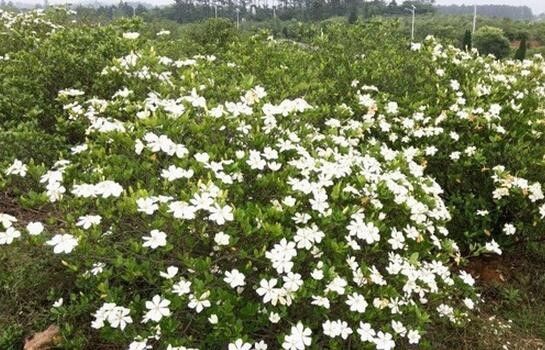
<point x="412" y="10"/>
<point x="412" y="26"/>
<point x="238" y="18"/>
<point x="474" y="18"/>
<point x="215" y="10"/>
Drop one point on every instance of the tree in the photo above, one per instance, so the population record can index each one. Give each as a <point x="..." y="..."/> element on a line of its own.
<point x="491" y="40"/>
<point x="467" y="44"/>
<point x="521" y="51"/>
<point x="353" y="15"/>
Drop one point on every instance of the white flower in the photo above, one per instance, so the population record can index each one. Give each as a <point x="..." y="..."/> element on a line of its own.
<point x="109" y="189"/>
<point x="170" y="273"/>
<point x="239" y="344"/>
<point x="221" y="214"/>
<point x="213" y="319"/>
<point x="384" y="341"/>
<point x="413" y="336"/>
<point x="119" y="317"/>
<point x="399" y="328"/>
<point x="221" y="238"/>
<point x="367" y="334"/>
<point x="157" y="309"/>
<point x="155" y="239"/>
<point x="268" y="291"/>
<point x="35" y="228"/>
<point x="174" y="173"/>
<point x="7" y="220"/>
<point x="147" y="205"/>
<point x="199" y="303"/>
<point x="493" y="247"/>
<point x="509" y="229"/>
<point x="299" y="338"/>
<point x="365" y="231"/>
<point x="182" y="210"/>
<point x="274" y="317"/>
<point x="234" y="278"/>
<point x="469" y="303"/>
<point x="139" y="345"/>
<point x="292" y="282"/>
<point x="260" y="346"/>
<point x="337" y="285"/>
<point x="58" y="303"/>
<point x="416" y="46"/>
<point x="17" y="168"/>
<point x="64" y="243"/>
<point x="467" y="278"/>
<point x="9" y="235"/>
<point x="357" y="303"/>
<point x="87" y="221"/>
<point x="131" y="35"/>
<point x="181" y="288"/>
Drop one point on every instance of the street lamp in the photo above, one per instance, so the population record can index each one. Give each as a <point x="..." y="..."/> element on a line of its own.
<point x="474" y="18"/>
<point x="412" y="10"/>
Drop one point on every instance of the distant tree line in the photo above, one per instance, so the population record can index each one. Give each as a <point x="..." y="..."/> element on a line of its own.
<point x="187" y="11"/>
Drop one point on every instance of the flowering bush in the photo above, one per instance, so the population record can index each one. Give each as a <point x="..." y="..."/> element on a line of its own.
<point x="222" y="202"/>
<point x="195" y="221"/>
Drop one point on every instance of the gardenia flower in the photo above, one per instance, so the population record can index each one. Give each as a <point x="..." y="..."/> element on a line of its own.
<point x="88" y="220"/>
<point x="467" y="278"/>
<point x="384" y="341"/>
<point x="413" y="336"/>
<point x="171" y="272"/>
<point x="64" y="243"/>
<point x="139" y="345"/>
<point x="157" y="309"/>
<point x="239" y="344"/>
<point x="274" y="317"/>
<point x="299" y="338"/>
<point x="221" y="238"/>
<point x="493" y="247"/>
<point x="131" y="35"/>
<point x="147" y="205"/>
<point x="7" y="220"/>
<point x="199" y="303"/>
<point x="268" y="291"/>
<point x="58" y="303"/>
<point x="9" y="235"/>
<point x="17" y="168"/>
<point x="181" y="288"/>
<point x="174" y="173"/>
<point x="509" y="229"/>
<point x="367" y="334"/>
<point x="213" y="319"/>
<point x="34" y="228"/>
<point x="234" y="278"/>
<point x="357" y="303"/>
<point x="221" y="214"/>
<point x="155" y="239"/>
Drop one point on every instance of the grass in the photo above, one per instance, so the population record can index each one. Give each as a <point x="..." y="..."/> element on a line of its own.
<point x="513" y="312"/>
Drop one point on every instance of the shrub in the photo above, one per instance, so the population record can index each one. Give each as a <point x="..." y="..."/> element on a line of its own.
<point x="490" y="40"/>
<point x="224" y="213"/>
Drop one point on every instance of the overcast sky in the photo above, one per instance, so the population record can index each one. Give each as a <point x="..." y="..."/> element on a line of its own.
<point x="538" y="6"/>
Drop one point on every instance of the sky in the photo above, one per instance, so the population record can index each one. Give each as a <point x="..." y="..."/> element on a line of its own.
<point x="537" y="6"/>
